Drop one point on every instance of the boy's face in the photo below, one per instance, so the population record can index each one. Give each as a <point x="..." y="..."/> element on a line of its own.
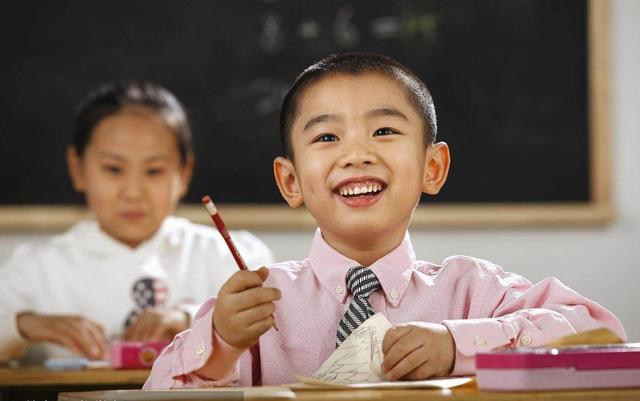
<point x="360" y="159"/>
<point x="131" y="174"/>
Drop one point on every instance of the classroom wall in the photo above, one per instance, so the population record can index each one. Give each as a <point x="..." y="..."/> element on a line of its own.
<point x="602" y="263"/>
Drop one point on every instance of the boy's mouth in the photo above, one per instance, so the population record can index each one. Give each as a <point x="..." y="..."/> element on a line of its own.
<point x="362" y="191"/>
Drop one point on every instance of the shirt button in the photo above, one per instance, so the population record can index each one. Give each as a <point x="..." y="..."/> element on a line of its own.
<point x="525" y="340"/>
<point x="200" y="349"/>
<point x="394" y="294"/>
<point x="339" y="289"/>
<point x="479" y="342"/>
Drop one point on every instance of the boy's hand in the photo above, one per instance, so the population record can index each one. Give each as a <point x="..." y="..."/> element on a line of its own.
<point x="244" y="308"/>
<point x="417" y="351"/>
<point x="77" y="333"/>
<point x="157" y="324"/>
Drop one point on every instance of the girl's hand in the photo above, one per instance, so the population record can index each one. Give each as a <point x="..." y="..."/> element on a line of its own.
<point x="244" y="308"/>
<point x="77" y="333"/>
<point x="417" y="351"/>
<point x="157" y="324"/>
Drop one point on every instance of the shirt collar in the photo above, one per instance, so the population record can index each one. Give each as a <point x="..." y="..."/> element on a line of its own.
<point x="393" y="269"/>
<point x="89" y="234"/>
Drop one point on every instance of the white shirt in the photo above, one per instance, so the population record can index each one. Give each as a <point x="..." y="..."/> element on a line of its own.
<point x="86" y="272"/>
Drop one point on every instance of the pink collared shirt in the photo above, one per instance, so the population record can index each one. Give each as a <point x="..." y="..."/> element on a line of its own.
<point x="483" y="307"/>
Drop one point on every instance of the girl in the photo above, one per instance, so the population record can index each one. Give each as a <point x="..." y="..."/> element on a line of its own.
<point x="133" y="271"/>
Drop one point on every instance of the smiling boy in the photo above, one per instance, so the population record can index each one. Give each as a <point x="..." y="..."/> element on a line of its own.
<point x="358" y="132"/>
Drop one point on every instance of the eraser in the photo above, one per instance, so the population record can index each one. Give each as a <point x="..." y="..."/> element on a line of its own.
<point x="65" y="363"/>
<point x="135" y="354"/>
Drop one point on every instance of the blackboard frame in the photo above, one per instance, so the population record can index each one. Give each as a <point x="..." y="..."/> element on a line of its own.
<point x="598" y="210"/>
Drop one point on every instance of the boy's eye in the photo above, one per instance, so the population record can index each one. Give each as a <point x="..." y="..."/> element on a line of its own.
<point x="326" y="138"/>
<point x="384" y="131"/>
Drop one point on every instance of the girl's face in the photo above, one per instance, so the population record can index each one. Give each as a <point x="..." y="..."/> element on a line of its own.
<point x="131" y="174"/>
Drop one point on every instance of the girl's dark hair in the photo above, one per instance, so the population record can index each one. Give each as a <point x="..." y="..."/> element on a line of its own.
<point x="110" y="99"/>
<point x="356" y="64"/>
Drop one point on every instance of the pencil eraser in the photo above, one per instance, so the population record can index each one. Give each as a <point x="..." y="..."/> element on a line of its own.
<point x="65" y="363"/>
<point x="208" y="203"/>
<point x="135" y="354"/>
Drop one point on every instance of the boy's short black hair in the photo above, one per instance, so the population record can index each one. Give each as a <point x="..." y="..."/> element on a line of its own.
<point x="356" y="64"/>
<point x="112" y="98"/>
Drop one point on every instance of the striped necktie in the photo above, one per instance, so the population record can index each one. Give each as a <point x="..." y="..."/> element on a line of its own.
<point x="361" y="282"/>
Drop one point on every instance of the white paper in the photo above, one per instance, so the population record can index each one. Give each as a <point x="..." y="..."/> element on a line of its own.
<point x="358" y="358"/>
<point x="310" y="384"/>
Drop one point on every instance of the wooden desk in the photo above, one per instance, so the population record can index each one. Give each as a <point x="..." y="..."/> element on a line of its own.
<point x="43" y="377"/>
<point x="468" y="393"/>
<point x="41" y="384"/>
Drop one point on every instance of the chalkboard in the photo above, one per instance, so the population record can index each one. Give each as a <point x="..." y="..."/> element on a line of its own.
<point x="513" y="83"/>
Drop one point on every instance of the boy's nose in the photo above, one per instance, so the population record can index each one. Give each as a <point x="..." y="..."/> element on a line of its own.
<point x="356" y="153"/>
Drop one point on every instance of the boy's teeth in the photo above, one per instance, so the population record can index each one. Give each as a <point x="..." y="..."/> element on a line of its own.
<point x="358" y="190"/>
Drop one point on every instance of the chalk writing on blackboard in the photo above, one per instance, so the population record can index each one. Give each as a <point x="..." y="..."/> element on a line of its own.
<point x="346" y="34"/>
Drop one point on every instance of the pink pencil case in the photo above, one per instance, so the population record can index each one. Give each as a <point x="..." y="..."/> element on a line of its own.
<point x="135" y="355"/>
<point x="578" y="367"/>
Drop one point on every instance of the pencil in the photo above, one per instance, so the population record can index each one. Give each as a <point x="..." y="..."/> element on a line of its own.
<point x="217" y="220"/>
<point x="256" y="371"/>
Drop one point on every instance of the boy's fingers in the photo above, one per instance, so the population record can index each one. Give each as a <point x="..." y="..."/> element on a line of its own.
<point x="263" y="272"/>
<point x="406" y="365"/>
<point x="261" y="326"/>
<point x="422" y="372"/>
<point x="394" y="334"/>
<point x="257" y="313"/>
<point x="241" y="281"/>
<point x="255" y="296"/>
<point x="400" y="350"/>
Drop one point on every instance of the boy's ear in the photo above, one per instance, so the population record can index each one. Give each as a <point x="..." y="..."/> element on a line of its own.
<point x="436" y="168"/>
<point x="76" y="172"/>
<point x="186" y="174"/>
<point x="287" y="181"/>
